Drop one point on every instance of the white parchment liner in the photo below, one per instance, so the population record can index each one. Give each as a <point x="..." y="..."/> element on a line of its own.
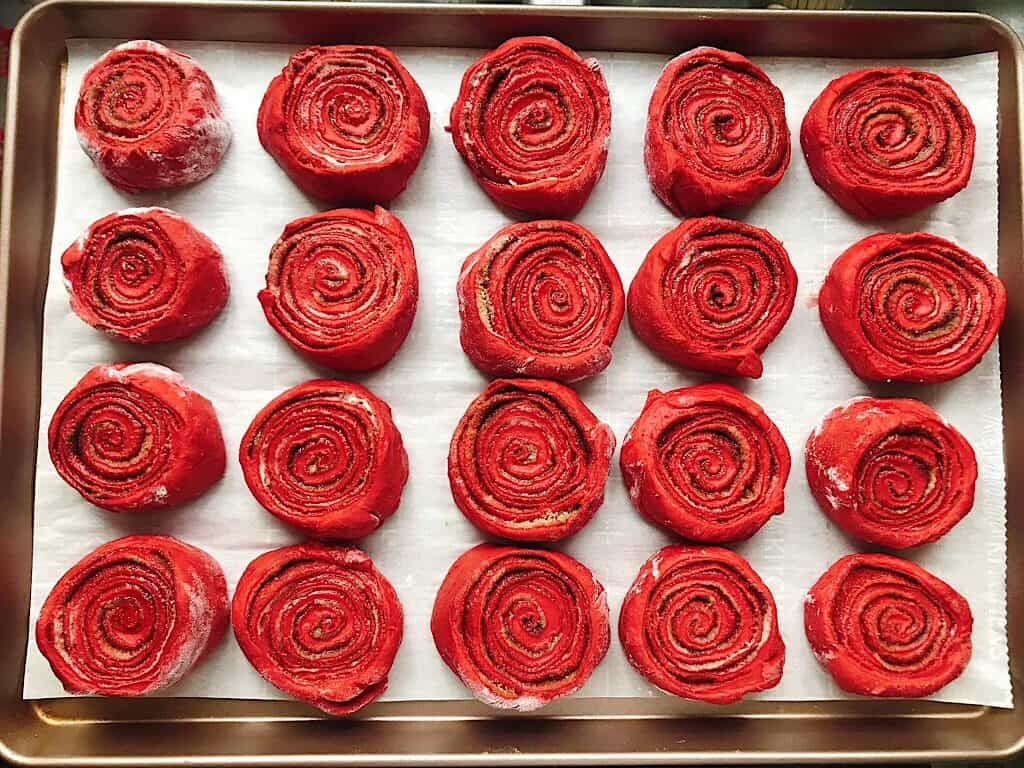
<point x="240" y="363"/>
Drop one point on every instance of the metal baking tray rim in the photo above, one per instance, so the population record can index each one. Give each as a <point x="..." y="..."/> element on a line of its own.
<point x="498" y="739"/>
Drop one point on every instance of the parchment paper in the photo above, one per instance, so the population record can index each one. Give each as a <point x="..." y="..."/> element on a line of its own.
<point x="240" y="363"/>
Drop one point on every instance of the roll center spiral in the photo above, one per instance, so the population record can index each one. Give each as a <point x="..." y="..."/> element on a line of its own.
<point x="331" y="457"/>
<point x="703" y="618"/>
<point x="917" y="306"/>
<point x="135" y="98"/>
<point x="890" y="130"/>
<point x="527" y="621"/>
<point x="130" y="100"/>
<point x="124" y="613"/>
<point x="354" y="111"/>
<point x="902" y="129"/>
<point x="134" y="269"/>
<point x="336" y="280"/>
<point x="533" y="619"/>
<point x="720" y="291"/>
<point x="894" y="136"/>
<point x="328" y="620"/>
<point x="560" y="313"/>
<point x="902" y="474"/>
<point x="130" y="273"/>
<point x="317" y="461"/>
<point x="113" y="435"/>
<point x="527" y="459"/>
<point x="723" y="120"/>
<point x="725" y="124"/>
<point x="536" y="119"/>
<point x="337" y="275"/>
<point x="323" y="626"/>
<point x="134" y="272"/>
<point x="348" y="107"/>
<point x="695" y="625"/>
<point x="127" y="621"/>
<point x="526" y="454"/>
<point x="725" y="288"/>
<point x="900" y="624"/>
<point x="703" y="462"/>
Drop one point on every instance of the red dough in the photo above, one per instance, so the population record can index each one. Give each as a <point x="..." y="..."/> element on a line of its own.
<point x="888" y="141"/>
<point x="891" y="472"/>
<point x="706" y="463"/>
<point x="716" y="133"/>
<point x="347" y="123"/>
<point x="321" y="623"/>
<point x="326" y="457"/>
<point x="883" y="626"/>
<point x="712" y="294"/>
<point x="540" y="299"/>
<point x="699" y="623"/>
<point x="532" y="121"/>
<point x="911" y="307"/>
<point x="520" y="627"/>
<point x="133" y="616"/>
<point x="148" y="117"/>
<point x="528" y="461"/>
<point x="145" y="275"/>
<point x="134" y="437"/>
<point x="342" y="287"/>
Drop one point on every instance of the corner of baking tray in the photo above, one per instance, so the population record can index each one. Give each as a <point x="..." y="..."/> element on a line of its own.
<point x="31" y="17"/>
<point x="28" y="722"/>
<point x="13" y="757"/>
<point x="999" y="27"/>
<point x="1003" y="753"/>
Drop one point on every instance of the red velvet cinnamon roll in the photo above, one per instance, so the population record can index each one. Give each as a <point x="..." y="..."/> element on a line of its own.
<point x="540" y="299"/>
<point x="706" y="463"/>
<point x="520" y="627"/>
<point x="134" y="437"/>
<point x="712" y="294"/>
<point x="321" y="623"/>
<point x="888" y="141"/>
<point x="716" y="133"/>
<point x="891" y="472"/>
<point x="883" y="626"/>
<point x="532" y="121"/>
<point x="342" y="287"/>
<point x="326" y="457"/>
<point x="699" y="623"/>
<point x="347" y="123"/>
<point x="911" y="307"/>
<point x="145" y="275"/>
<point x="149" y="118"/>
<point x="133" y="616"/>
<point x="528" y="461"/>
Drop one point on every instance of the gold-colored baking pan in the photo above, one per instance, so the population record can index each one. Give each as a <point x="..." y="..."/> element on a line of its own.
<point x="621" y="731"/>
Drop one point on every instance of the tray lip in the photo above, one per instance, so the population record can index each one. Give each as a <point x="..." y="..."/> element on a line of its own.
<point x="7" y="182"/>
<point x="520" y="8"/>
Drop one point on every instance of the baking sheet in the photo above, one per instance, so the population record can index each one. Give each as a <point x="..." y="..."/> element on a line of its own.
<point x="240" y="364"/>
